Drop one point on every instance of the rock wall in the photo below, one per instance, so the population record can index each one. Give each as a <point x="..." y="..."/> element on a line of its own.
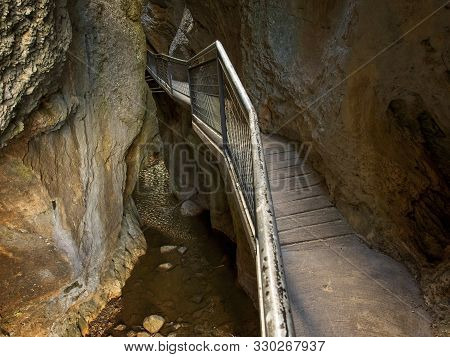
<point x="370" y="92"/>
<point x="35" y="36"/>
<point x="366" y="86"/>
<point x="183" y="28"/>
<point x="74" y="118"/>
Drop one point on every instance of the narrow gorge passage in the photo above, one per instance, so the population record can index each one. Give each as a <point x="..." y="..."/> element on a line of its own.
<point x="197" y="293"/>
<point x="342" y="232"/>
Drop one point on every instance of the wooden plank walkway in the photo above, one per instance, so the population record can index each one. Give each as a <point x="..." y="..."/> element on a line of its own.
<point x="337" y="285"/>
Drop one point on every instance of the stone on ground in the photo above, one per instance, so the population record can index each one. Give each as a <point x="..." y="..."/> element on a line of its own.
<point x="165" y="266"/>
<point x="190" y="208"/>
<point x="197" y="299"/>
<point x="120" y="327"/>
<point x="83" y="326"/>
<point x="167" y="248"/>
<point x="143" y="334"/>
<point x="153" y="323"/>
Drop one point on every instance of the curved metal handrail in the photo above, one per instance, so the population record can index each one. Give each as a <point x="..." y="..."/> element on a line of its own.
<point x="237" y="125"/>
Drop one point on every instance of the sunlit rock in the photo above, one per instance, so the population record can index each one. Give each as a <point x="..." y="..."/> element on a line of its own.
<point x="153" y="323"/>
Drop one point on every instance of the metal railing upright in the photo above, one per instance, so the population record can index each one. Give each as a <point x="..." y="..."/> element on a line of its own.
<point x="209" y="83"/>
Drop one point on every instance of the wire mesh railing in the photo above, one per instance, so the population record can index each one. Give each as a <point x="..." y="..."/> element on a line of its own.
<point x="238" y="142"/>
<point x="204" y="93"/>
<point x="151" y="63"/>
<point x="210" y="85"/>
<point x="171" y="73"/>
<point x="179" y="77"/>
<point x="162" y="70"/>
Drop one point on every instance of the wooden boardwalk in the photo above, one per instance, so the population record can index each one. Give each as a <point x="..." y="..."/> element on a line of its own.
<point x="337" y="285"/>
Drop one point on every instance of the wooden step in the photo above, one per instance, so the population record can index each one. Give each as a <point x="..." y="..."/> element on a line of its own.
<point x="290" y="171"/>
<point x="301" y="182"/>
<point x="279" y="147"/>
<point x="280" y="164"/>
<point x="272" y="157"/>
<point x="315" y="232"/>
<point x="296" y="195"/>
<point x="323" y="215"/>
<point x="305" y="205"/>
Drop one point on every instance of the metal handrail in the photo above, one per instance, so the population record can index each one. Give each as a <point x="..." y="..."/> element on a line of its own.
<point x="275" y="313"/>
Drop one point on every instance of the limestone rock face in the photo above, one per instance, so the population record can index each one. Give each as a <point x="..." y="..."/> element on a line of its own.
<point x="67" y="220"/>
<point x="160" y="20"/>
<point x="367" y="91"/>
<point x="183" y="28"/>
<point x="33" y="44"/>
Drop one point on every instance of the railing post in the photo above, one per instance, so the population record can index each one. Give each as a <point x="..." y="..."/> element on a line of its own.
<point x="223" y="119"/>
